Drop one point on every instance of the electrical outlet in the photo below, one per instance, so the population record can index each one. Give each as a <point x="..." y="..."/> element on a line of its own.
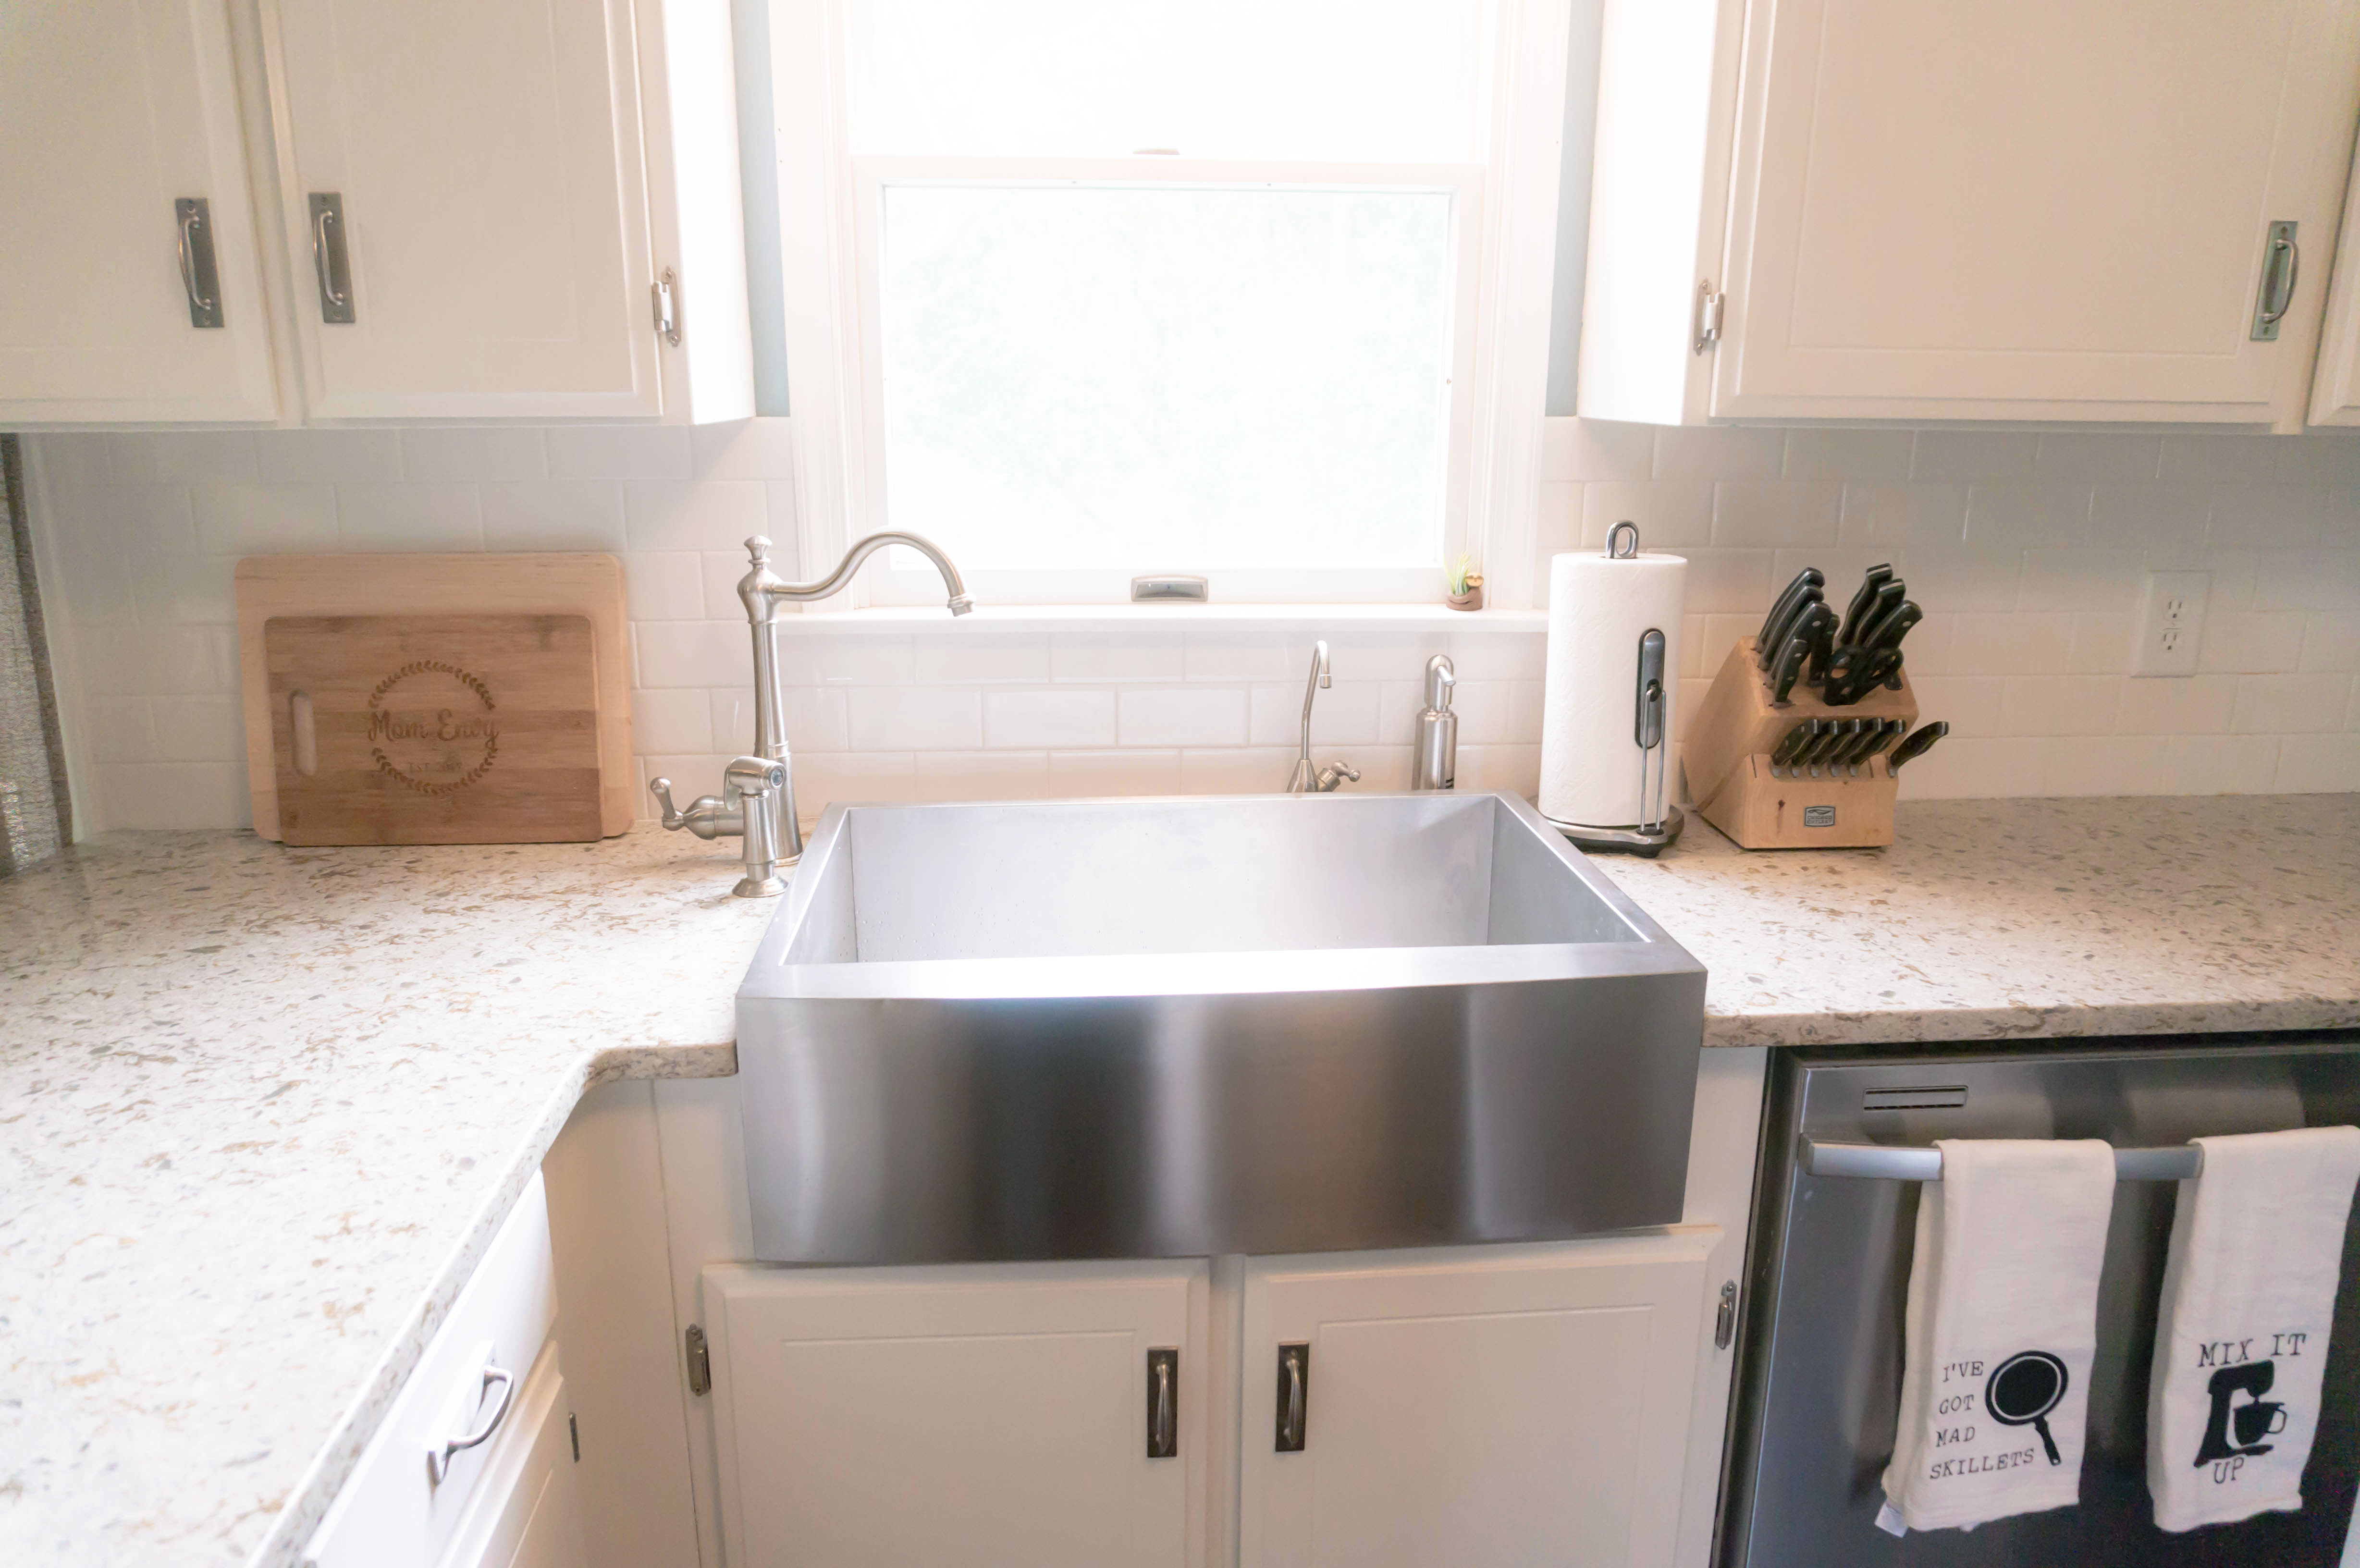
<point x="2171" y="624"/>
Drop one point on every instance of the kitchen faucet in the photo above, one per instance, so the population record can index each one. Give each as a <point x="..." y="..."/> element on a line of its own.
<point x="1325" y="782"/>
<point x="758" y="797"/>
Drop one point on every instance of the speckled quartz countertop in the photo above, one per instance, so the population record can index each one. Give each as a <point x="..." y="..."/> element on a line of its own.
<point x="1995" y="920"/>
<point x="261" y="1108"/>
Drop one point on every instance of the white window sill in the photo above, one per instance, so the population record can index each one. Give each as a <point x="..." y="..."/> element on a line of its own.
<point x="905" y="618"/>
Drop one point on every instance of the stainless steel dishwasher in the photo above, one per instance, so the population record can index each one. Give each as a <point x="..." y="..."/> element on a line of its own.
<point x="1820" y="1376"/>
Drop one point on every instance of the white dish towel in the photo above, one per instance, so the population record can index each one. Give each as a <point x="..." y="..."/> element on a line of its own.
<point x="2240" y="1339"/>
<point x="2001" y="1327"/>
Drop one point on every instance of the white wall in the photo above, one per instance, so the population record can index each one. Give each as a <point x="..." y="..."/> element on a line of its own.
<point x="2026" y="549"/>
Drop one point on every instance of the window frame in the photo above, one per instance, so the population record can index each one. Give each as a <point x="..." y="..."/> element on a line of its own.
<point x="1504" y="222"/>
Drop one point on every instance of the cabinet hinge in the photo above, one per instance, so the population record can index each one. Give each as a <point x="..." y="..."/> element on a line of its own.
<point x="667" y="290"/>
<point x="1708" y="303"/>
<point x="699" y="1363"/>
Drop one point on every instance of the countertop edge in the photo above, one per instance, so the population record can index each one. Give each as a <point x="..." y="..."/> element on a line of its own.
<point x="2064" y="1021"/>
<point x="340" y="1454"/>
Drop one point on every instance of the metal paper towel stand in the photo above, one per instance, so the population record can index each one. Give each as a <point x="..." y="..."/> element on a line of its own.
<point x="1659" y="820"/>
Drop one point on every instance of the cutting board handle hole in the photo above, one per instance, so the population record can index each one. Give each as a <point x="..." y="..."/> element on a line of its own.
<point x="307" y="734"/>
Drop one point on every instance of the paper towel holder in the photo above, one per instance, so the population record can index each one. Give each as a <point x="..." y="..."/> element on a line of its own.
<point x="1660" y="820"/>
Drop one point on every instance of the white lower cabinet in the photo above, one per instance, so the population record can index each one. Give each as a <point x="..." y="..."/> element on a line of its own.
<point x="1475" y="1406"/>
<point x="983" y="1414"/>
<point x="491" y="1375"/>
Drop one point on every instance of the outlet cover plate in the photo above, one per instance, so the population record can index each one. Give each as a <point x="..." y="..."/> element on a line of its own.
<point x="2172" y="623"/>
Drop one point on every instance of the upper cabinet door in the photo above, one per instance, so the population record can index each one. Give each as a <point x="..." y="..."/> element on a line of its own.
<point x="1923" y="209"/>
<point x="466" y="208"/>
<point x="110" y="118"/>
<point x="2335" y="389"/>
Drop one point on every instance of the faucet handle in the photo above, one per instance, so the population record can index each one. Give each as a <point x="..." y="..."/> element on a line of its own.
<point x="661" y="788"/>
<point x="1335" y="774"/>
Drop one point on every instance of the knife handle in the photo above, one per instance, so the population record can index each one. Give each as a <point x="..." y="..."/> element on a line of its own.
<point x="1764" y="644"/>
<point x="1921" y="741"/>
<point x="1787" y="669"/>
<point x="1875" y="577"/>
<point x="1895" y="626"/>
<point x="1791" y="745"/>
<point x="1817" y="628"/>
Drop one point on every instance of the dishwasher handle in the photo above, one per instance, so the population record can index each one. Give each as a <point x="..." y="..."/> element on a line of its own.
<point x="1903" y="1163"/>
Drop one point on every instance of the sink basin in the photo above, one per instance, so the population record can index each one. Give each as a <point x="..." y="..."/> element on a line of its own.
<point x="1177" y="1028"/>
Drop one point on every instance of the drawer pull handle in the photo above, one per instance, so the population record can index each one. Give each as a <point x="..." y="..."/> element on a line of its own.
<point x="438" y="1459"/>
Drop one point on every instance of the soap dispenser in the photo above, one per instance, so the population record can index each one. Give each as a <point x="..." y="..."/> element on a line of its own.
<point x="1434" y="760"/>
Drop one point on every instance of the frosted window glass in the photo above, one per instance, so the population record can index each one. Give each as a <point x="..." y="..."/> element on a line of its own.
<point x="1273" y="78"/>
<point x="1140" y="377"/>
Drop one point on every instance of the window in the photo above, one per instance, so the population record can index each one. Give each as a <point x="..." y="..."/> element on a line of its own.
<point x="1085" y="290"/>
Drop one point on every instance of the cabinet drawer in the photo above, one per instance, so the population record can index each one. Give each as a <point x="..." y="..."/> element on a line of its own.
<point x="392" y="1512"/>
<point x="526" y="1511"/>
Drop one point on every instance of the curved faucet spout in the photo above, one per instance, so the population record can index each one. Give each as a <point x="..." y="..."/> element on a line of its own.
<point x="762" y="591"/>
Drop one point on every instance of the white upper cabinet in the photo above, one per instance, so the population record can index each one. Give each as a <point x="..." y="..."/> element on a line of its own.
<point x="2335" y="390"/>
<point x="113" y="119"/>
<point x="466" y="199"/>
<point x="2022" y="210"/>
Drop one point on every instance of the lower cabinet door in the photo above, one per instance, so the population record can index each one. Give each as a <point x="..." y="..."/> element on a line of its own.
<point x="1475" y="1406"/>
<point x="979" y="1414"/>
<point x="528" y="1512"/>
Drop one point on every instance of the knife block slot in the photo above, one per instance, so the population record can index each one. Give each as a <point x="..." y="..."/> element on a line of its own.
<point x="1730" y="778"/>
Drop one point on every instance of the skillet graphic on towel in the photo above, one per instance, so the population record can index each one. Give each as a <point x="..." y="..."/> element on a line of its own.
<point x="2024" y="1390"/>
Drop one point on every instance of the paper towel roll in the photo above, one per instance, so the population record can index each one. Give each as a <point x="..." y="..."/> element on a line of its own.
<point x="1600" y="607"/>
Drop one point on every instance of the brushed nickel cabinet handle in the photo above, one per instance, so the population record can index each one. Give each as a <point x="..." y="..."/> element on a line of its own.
<point x="193" y="219"/>
<point x="331" y="258"/>
<point x="1294" y="1396"/>
<point x="439" y="1456"/>
<point x="1162" y="1403"/>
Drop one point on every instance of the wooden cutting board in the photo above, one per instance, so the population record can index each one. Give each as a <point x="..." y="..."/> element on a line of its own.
<point x="551" y="583"/>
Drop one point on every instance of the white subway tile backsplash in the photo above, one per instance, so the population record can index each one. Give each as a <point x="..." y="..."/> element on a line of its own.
<point x="915" y="718"/>
<point x="2069" y="457"/>
<point x="1138" y="771"/>
<point x="2215" y="459"/>
<point x="694" y="653"/>
<point x="745" y="449"/>
<point x="2316" y="763"/>
<point x="618" y="452"/>
<point x="1181" y="716"/>
<point x="2196" y="704"/>
<point x="703" y="514"/>
<point x="663" y="585"/>
<point x="1117" y="658"/>
<point x="2134" y="516"/>
<point x="1780" y="512"/>
<point x="553" y="514"/>
<point x="675" y="719"/>
<point x="2000" y="514"/>
<point x="198" y="729"/>
<point x="2331" y="642"/>
<point x="1857" y="457"/>
<point x="1346" y="714"/>
<point x="964" y="658"/>
<point x="327" y="457"/>
<point x="1576" y="451"/>
<point x="1719" y="452"/>
<point x="2290" y="704"/>
<point x="2267" y="516"/>
<point x="1058" y="717"/>
<point x="980" y="775"/>
<point x="1671" y="514"/>
<point x="474" y="451"/>
<point x="264" y="519"/>
<point x="2028" y="551"/>
<point x="1974" y="454"/>
<point x="2246" y="642"/>
<point x="407" y="516"/>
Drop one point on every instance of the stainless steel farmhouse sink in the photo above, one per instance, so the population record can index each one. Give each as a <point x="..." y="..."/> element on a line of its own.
<point x="1161" y="1028"/>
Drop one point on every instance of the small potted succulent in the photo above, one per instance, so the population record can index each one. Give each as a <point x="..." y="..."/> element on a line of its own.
<point x="1466" y="586"/>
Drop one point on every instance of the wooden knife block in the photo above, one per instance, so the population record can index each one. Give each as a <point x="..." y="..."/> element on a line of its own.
<point x="1728" y="759"/>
